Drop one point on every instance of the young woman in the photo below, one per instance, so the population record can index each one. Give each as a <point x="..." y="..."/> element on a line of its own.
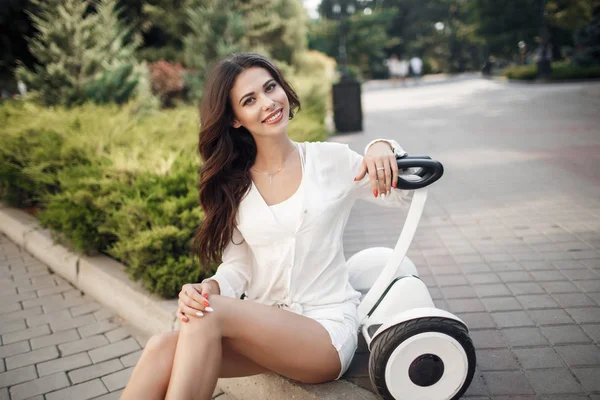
<point x="275" y="210"/>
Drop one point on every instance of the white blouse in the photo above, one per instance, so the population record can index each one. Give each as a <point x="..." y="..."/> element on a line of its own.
<point x="302" y="269"/>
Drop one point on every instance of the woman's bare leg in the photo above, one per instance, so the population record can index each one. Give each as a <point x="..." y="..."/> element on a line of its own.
<point x="150" y="377"/>
<point x="281" y="341"/>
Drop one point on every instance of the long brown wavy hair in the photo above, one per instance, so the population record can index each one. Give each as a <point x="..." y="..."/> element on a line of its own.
<point x="227" y="152"/>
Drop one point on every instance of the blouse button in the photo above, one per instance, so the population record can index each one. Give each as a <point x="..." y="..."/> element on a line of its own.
<point x="305" y="211"/>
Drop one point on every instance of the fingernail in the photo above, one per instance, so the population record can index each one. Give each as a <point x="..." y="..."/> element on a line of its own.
<point x="205" y="295"/>
<point x="205" y="304"/>
<point x="395" y="183"/>
<point x="383" y="195"/>
<point x="200" y="314"/>
<point x="208" y="309"/>
<point x="375" y="192"/>
<point x="354" y="178"/>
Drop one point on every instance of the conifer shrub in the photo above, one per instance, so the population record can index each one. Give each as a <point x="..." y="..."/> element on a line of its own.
<point x="109" y="181"/>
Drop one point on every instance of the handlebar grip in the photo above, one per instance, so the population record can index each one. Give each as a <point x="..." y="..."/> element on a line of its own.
<point x="430" y="171"/>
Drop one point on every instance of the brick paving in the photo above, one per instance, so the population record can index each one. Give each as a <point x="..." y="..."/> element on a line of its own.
<point x="509" y="242"/>
<point x="510" y="238"/>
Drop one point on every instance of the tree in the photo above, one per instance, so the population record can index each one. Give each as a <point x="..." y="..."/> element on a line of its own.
<point x="588" y="42"/>
<point x="75" y="45"/>
<point x="216" y="31"/>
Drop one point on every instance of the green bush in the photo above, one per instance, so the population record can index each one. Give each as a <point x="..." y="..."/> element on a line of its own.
<point x="560" y="71"/>
<point x="521" y="72"/>
<point x="110" y="181"/>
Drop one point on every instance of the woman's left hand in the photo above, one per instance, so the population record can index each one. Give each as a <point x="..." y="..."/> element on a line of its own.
<point x="380" y="163"/>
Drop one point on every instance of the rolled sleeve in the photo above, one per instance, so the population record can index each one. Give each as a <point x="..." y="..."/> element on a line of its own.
<point x="396" y="148"/>
<point x="233" y="274"/>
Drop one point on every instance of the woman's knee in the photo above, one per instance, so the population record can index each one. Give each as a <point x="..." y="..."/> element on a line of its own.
<point x="162" y="343"/>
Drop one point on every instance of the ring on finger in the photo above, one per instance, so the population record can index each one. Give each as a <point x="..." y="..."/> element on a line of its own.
<point x="380" y="168"/>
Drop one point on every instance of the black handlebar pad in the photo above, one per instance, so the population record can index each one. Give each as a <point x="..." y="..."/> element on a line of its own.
<point x="430" y="171"/>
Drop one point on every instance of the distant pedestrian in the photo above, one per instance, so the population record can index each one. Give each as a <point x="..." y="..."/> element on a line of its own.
<point x="398" y="69"/>
<point x="416" y="64"/>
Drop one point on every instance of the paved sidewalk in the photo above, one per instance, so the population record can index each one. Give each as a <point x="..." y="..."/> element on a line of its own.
<point x="511" y="235"/>
<point x="57" y="343"/>
<point x="509" y="242"/>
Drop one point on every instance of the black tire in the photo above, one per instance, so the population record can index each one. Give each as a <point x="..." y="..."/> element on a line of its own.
<point x="384" y="344"/>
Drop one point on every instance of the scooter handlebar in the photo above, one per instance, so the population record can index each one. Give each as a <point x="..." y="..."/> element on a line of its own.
<point x="429" y="172"/>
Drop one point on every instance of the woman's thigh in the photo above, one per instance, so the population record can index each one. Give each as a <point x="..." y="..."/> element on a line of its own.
<point x="281" y="341"/>
<point x="233" y="364"/>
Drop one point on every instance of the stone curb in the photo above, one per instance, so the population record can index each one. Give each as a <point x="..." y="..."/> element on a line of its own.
<point x="105" y="279"/>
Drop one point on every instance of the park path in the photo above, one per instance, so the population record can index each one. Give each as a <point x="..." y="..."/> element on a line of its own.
<point x="509" y="242"/>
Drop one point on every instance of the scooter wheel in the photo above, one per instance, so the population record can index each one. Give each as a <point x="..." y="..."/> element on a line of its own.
<point x="429" y="358"/>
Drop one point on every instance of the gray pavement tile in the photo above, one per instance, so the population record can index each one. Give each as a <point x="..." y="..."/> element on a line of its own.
<point x="537" y="301"/>
<point x="480" y="320"/>
<point x="14" y="348"/>
<point x="533" y="358"/>
<point x="131" y="359"/>
<point x="117" y="380"/>
<point x="54" y="339"/>
<point x="520" y="337"/>
<point x="39" y="386"/>
<point x="511" y="319"/>
<point x="550" y="317"/>
<point x="565" y="334"/>
<point x="567" y="300"/>
<point x="588" y="378"/>
<point x="515" y="276"/>
<point x="496" y="360"/>
<point x="32" y="357"/>
<point x="16" y="376"/>
<point x="483" y="278"/>
<point x="507" y="383"/>
<point x="43" y="319"/>
<point x="114" y="350"/>
<point x="588" y="315"/>
<point x="547" y="275"/>
<point x="593" y="331"/>
<point x="488" y="339"/>
<point x="95" y="371"/>
<point x="12" y="326"/>
<point x="97" y="328"/>
<point x="493" y="290"/>
<point x="457" y="292"/>
<point x="465" y="305"/>
<point x="553" y="381"/>
<point x="118" y="334"/>
<point x="88" y="343"/>
<point x="559" y="287"/>
<point x="25" y="334"/>
<point x="63" y="364"/>
<point x="82" y="391"/>
<point x="576" y="355"/>
<point x="77" y="322"/>
<point x="450" y="280"/>
<point x="501" y="304"/>
<point x="589" y="285"/>
<point x="111" y="396"/>
<point x="4" y="394"/>
<point x="85" y="309"/>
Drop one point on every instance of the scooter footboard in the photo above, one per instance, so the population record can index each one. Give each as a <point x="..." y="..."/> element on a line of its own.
<point x="404" y="293"/>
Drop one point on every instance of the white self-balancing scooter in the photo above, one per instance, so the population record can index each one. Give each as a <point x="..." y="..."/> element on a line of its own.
<point x="418" y="351"/>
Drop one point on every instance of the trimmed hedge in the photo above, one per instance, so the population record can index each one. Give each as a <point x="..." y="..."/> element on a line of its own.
<point x="107" y="180"/>
<point x="560" y="71"/>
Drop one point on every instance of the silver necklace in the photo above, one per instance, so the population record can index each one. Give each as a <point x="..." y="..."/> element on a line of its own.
<point x="271" y="175"/>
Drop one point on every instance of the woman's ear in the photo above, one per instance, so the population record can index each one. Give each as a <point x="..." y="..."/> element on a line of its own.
<point x="236" y="124"/>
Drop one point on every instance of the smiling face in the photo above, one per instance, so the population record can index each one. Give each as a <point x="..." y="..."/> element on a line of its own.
<point x="259" y="103"/>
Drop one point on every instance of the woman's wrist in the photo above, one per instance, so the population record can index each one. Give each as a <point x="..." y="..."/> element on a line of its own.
<point x="214" y="285"/>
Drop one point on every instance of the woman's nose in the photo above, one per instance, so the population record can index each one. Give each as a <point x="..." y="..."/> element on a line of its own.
<point x="267" y="103"/>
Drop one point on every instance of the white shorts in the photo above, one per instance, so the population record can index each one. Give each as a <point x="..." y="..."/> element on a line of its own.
<point x="344" y="334"/>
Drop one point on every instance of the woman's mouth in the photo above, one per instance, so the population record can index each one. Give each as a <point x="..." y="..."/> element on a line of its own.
<point x="274" y="117"/>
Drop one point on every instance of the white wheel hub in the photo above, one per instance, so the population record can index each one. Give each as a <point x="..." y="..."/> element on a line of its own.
<point x="451" y="353"/>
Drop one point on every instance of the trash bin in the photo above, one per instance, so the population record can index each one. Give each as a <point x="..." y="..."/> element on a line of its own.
<point x="347" y="107"/>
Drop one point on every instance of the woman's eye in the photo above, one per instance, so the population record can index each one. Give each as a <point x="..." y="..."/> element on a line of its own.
<point x="248" y="100"/>
<point x="271" y="87"/>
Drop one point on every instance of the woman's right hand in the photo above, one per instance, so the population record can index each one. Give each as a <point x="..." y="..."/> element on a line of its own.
<point x="194" y="299"/>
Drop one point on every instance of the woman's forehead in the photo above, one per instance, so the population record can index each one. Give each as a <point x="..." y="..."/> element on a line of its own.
<point x="250" y="80"/>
